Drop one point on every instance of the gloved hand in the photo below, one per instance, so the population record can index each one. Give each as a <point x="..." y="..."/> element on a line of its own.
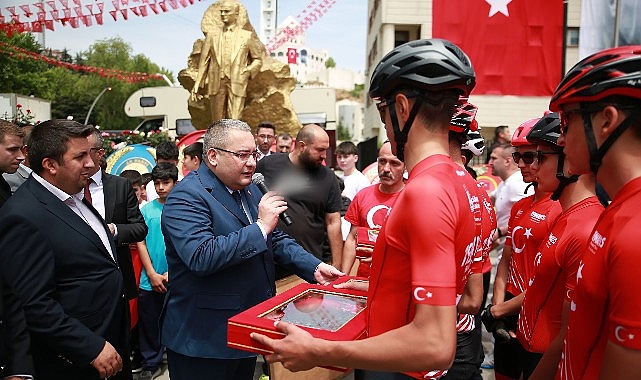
<point x="496" y="326"/>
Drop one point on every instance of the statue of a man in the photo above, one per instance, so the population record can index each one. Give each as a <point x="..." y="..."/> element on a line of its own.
<point x="229" y="57"/>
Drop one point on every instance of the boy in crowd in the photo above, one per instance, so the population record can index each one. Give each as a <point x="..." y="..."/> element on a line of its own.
<point x="192" y="156"/>
<point x="154" y="277"/>
<point x="135" y="179"/>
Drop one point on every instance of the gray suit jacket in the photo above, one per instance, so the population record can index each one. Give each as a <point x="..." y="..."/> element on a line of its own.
<point x="16" y="179"/>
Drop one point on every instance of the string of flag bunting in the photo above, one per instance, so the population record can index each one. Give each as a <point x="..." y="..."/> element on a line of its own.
<point x="45" y="15"/>
<point x="131" y="77"/>
<point x="40" y="16"/>
<point x="306" y="18"/>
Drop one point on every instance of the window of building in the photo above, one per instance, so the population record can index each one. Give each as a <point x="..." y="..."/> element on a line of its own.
<point x="572" y="36"/>
<point x="401" y="37"/>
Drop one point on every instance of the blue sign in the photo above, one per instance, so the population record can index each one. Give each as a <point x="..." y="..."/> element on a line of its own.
<point x="138" y="157"/>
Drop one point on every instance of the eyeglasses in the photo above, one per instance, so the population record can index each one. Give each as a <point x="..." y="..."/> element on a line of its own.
<point x="564" y="117"/>
<point x="242" y="156"/>
<point x="527" y="157"/>
<point x="266" y="137"/>
<point x="540" y="155"/>
<point x="380" y="106"/>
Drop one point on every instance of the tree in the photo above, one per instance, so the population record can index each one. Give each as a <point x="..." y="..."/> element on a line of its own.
<point x="342" y="133"/>
<point x="330" y="63"/>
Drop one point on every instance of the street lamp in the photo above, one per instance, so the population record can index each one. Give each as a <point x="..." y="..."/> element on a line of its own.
<point x="95" y="101"/>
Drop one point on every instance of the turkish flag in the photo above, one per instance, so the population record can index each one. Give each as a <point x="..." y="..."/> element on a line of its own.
<point x="515" y="45"/>
<point x="292" y="55"/>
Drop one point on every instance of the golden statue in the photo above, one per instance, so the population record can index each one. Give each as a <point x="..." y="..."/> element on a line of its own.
<point x="229" y="57"/>
<point x="221" y="65"/>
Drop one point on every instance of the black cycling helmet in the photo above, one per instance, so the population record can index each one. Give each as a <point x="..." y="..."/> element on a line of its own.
<point x="429" y="64"/>
<point x="610" y="72"/>
<point x="547" y="131"/>
<point x="433" y="65"/>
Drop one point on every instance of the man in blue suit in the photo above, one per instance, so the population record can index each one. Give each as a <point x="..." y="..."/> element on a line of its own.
<point x="221" y="249"/>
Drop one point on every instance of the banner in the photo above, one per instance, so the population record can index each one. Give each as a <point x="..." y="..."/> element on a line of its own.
<point x="515" y="45"/>
<point x="598" y="21"/>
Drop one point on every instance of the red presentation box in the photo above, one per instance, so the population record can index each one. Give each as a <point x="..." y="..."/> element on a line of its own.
<point x="323" y="311"/>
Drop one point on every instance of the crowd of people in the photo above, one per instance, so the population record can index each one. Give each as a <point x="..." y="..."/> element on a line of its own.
<point x="214" y="243"/>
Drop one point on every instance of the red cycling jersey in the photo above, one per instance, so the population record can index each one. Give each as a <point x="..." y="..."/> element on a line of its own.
<point x="426" y="247"/>
<point x="369" y="208"/>
<point x="554" y="279"/>
<point x="488" y="226"/>
<point x="605" y="306"/>
<point x="529" y="225"/>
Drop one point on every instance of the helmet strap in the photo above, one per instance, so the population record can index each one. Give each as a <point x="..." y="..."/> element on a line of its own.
<point x="400" y="136"/>
<point x="563" y="180"/>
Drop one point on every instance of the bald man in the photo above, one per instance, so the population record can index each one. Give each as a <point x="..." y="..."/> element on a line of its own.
<point x="312" y="194"/>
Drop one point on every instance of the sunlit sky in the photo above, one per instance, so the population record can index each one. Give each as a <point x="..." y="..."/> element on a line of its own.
<point x="167" y="38"/>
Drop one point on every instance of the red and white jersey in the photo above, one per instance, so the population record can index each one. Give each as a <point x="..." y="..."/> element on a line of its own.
<point x="369" y="208"/>
<point x="488" y="226"/>
<point x="606" y="303"/>
<point x="529" y="225"/>
<point x="425" y="249"/>
<point x="556" y="265"/>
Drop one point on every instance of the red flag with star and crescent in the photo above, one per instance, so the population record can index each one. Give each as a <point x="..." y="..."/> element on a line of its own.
<point x="292" y="55"/>
<point x="515" y="45"/>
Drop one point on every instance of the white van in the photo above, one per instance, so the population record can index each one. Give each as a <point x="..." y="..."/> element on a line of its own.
<point x="163" y="107"/>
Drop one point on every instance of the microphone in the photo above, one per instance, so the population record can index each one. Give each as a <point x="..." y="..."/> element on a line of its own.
<point x="259" y="180"/>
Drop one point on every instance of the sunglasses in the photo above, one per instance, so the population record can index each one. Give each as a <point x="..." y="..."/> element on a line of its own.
<point x="381" y="106"/>
<point x="527" y="157"/>
<point x="564" y="117"/>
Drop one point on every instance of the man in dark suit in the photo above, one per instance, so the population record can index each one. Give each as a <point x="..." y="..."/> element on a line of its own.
<point x="115" y="200"/>
<point x="221" y="248"/>
<point x="15" y="359"/>
<point x="59" y="260"/>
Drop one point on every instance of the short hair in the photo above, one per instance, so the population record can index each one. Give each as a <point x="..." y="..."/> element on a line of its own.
<point x="498" y="130"/>
<point x="134" y="177"/>
<point x="98" y="135"/>
<point x="307" y="134"/>
<point x="265" y="124"/>
<point x="49" y="140"/>
<point x="146" y="178"/>
<point x="194" y="150"/>
<point x="506" y="149"/>
<point x="285" y="136"/>
<point x="9" y="128"/>
<point x="167" y="150"/>
<point x="164" y="170"/>
<point x="346" y="148"/>
<point x="217" y="135"/>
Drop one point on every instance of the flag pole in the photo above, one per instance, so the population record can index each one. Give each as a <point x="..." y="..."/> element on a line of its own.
<point x="564" y="43"/>
<point x="617" y="14"/>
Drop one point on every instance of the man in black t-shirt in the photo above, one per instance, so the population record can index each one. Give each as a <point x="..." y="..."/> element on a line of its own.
<point x="311" y="191"/>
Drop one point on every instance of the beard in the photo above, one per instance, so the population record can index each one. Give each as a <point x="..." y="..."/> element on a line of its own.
<point x="308" y="162"/>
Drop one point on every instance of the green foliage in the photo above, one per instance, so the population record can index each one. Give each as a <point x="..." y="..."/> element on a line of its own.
<point x="357" y="91"/>
<point x="330" y="63"/>
<point x="71" y="93"/>
<point x="113" y="141"/>
<point x="342" y="133"/>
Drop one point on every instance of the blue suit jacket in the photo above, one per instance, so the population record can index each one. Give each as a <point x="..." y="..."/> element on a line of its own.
<point x="219" y="264"/>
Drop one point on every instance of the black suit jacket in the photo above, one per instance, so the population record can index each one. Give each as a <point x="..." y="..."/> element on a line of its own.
<point x="5" y="190"/>
<point x="121" y="209"/>
<point x="15" y="358"/>
<point x="70" y="287"/>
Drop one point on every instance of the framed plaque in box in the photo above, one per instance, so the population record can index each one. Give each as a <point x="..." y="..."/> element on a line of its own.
<point x="323" y="311"/>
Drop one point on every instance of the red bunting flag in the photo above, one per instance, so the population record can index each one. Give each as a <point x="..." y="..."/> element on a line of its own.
<point x="11" y="10"/>
<point x="51" y="4"/>
<point x="89" y="8"/>
<point x="124" y="13"/>
<point x="100" y="6"/>
<point x="98" y="17"/>
<point x="73" y="22"/>
<point x="78" y="3"/>
<point x="163" y="6"/>
<point x="40" y="6"/>
<point x="49" y="24"/>
<point x="292" y="56"/>
<point x="42" y="16"/>
<point x="515" y="46"/>
<point x="153" y="8"/>
<point x="55" y="14"/>
<point x="78" y="11"/>
<point x="143" y="10"/>
<point x="174" y="4"/>
<point x="36" y="26"/>
<point x="113" y="14"/>
<point x="65" y="3"/>
<point x="135" y="11"/>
